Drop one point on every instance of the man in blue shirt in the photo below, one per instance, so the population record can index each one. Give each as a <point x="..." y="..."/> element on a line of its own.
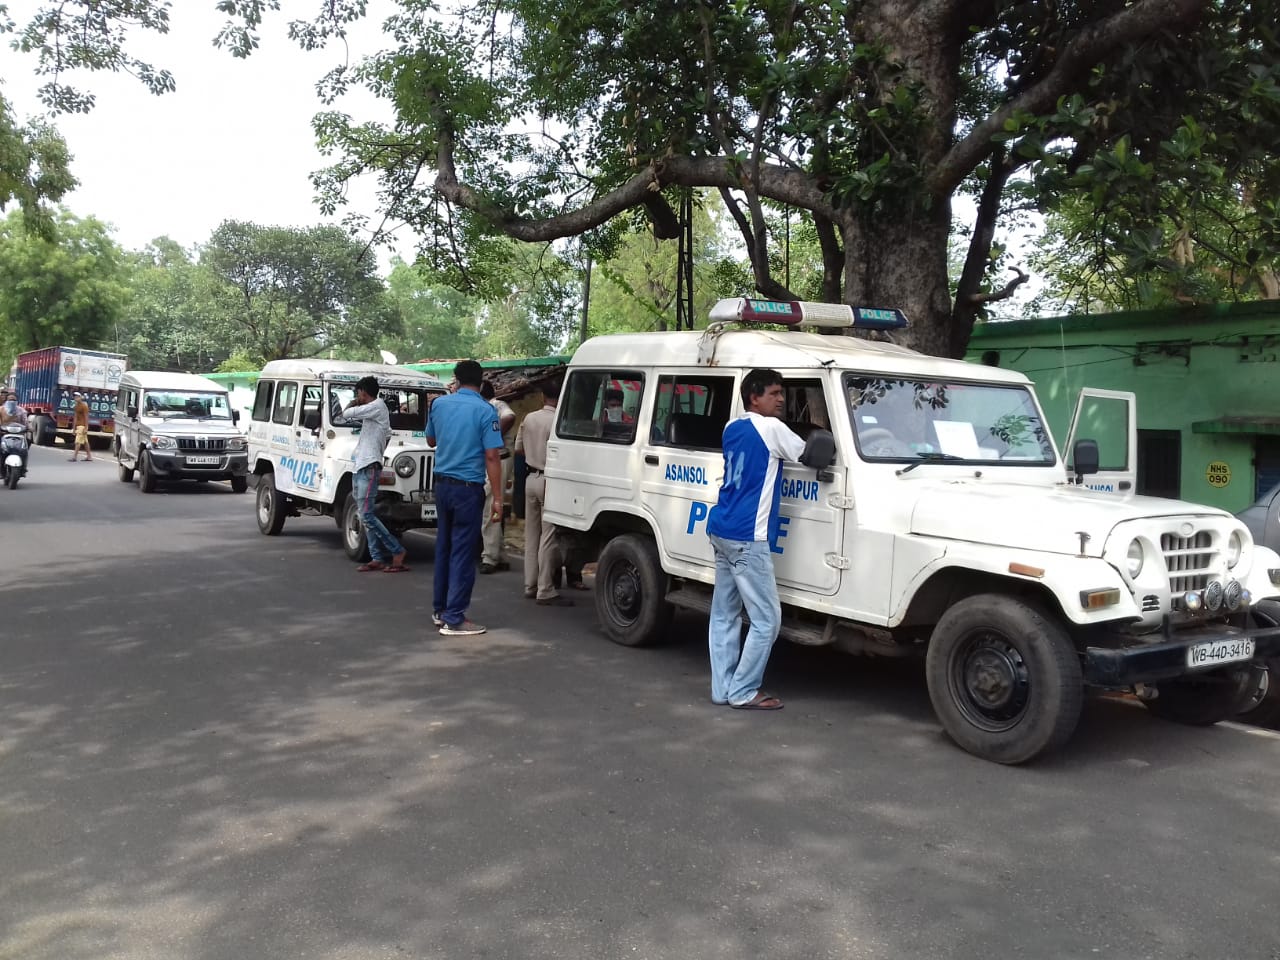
<point x="464" y="429"/>
<point x="741" y="526"/>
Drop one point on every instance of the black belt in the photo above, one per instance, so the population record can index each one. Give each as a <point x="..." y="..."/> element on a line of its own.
<point x="442" y="478"/>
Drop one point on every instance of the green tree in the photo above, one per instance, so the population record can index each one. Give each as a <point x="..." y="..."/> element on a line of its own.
<point x="298" y="292"/>
<point x="68" y="289"/>
<point x="871" y="115"/>
<point x="34" y="169"/>
<point x="437" y="322"/>
<point x="175" y="315"/>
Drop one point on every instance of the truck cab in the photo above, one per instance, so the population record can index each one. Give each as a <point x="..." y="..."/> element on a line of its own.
<point x="947" y="525"/>
<point x="302" y="451"/>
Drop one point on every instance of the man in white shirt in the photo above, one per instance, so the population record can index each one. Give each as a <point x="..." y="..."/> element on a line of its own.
<point x="375" y="430"/>
<point x="494" y="556"/>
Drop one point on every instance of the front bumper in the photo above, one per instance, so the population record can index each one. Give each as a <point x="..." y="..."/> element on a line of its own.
<point x="181" y="465"/>
<point x="407" y="513"/>
<point x="1166" y="659"/>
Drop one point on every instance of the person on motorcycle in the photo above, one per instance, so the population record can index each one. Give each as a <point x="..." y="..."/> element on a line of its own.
<point x="12" y="412"/>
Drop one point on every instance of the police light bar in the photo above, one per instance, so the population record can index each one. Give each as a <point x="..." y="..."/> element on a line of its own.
<point x="795" y="313"/>
<point x="791" y="313"/>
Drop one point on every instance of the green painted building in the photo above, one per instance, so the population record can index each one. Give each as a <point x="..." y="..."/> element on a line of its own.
<point x="1207" y="382"/>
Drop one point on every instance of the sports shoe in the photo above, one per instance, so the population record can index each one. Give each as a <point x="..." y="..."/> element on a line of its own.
<point x="437" y="619"/>
<point x="464" y="629"/>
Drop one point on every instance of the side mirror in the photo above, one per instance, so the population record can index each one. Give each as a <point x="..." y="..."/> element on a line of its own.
<point x="819" y="452"/>
<point x="1084" y="456"/>
<point x="235" y="416"/>
<point x="132" y="412"/>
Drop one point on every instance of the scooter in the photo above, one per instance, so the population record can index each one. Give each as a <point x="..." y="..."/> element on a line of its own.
<point x="13" y="454"/>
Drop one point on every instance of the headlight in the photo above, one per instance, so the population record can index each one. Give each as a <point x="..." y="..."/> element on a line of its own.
<point x="164" y="443"/>
<point x="404" y="466"/>
<point x="1135" y="558"/>
<point x="1235" y="545"/>
<point x="236" y="443"/>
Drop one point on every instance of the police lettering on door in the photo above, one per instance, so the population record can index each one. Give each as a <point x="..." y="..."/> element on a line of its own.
<point x="800" y="490"/>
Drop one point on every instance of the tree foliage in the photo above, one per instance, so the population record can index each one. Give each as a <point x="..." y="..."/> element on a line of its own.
<point x="530" y="120"/>
<point x="298" y="292"/>
<point x="66" y="289"/>
<point x="34" y="170"/>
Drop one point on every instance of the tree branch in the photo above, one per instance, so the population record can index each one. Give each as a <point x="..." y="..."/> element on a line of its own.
<point x="1129" y="26"/>
<point x="1005" y="292"/>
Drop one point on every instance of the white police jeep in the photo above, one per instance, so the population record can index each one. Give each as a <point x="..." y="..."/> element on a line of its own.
<point x="946" y="522"/>
<point x="302" y="451"/>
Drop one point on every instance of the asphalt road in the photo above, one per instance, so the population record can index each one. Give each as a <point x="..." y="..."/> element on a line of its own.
<point x="215" y="744"/>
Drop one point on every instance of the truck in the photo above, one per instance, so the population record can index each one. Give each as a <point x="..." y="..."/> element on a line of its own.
<point x="48" y="379"/>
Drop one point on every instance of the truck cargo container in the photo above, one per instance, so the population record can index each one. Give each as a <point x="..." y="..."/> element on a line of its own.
<point x="47" y="381"/>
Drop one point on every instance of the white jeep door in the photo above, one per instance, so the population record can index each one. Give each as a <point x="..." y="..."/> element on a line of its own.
<point x="1108" y="417"/>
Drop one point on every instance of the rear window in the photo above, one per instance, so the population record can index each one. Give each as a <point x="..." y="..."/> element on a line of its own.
<point x="601" y="405"/>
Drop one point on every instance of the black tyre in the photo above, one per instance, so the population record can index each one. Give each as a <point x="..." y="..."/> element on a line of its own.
<point x="43" y="431"/>
<point x="239" y="484"/>
<point x="11" y="479"/>
<point x="1263" y="708"/>
<point x="1205" y="700"/>
<point x="146" y="476"/>
<point x="631" y="592"/>
<point x="270" y="506"/>
<point x="124" y="473"/>
<point x="1004" y="678"/>
<point x="354" y="541"/>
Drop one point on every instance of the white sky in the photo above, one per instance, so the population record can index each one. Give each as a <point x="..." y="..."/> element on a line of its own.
<point x="233" y="142"/>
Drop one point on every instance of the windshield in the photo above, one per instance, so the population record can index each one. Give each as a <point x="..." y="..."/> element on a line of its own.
<point x="407" y="407"/>
<point x="917" y="420"/>
<point x="186" y="403"/>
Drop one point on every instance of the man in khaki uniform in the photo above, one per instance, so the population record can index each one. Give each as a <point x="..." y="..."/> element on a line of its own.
<point x="494" y="556"/>
<point x="81" y="426"/>
<point x="541" y="550"/>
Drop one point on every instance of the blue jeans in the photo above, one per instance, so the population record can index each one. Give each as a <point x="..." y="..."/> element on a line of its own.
<point x="744" y="578"/>
<point x="382" y="545"/>
<point x="458" y="517"/>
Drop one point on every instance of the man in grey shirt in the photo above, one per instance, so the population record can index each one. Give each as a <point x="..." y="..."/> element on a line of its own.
<point x="375" y="430"/>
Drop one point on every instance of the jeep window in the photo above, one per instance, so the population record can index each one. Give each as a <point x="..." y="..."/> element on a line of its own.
<point x="262" y="401"/>
<point x="190" y="404"/>
<point x="311" y="407"/>
<point x="286" y="396"/>
<point x="806" y="407"/>
<point x="691" y="411"/>
<point x="406" y="407"/>
<point x="601" y="405"/>
<point x="905" y="420"/>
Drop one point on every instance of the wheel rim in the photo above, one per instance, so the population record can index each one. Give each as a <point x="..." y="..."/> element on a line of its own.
<point x="353" y="530"/>
<point x="990" y="681"/>
<point x="264" y="502"/>
<point x="625" y="592"/>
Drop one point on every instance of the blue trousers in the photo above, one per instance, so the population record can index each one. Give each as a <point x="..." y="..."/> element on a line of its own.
<point x="744" y="579"/>
<point x="382" y="545"/>
<point x="458" y="517"/>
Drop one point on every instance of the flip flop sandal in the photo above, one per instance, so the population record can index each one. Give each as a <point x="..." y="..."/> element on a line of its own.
<point x="761" y="701"/>
<point x="369" y="567"/>
<point x="396" y="568"/>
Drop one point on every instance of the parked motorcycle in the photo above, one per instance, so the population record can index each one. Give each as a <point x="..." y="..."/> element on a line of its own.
<point x="13" y="454"/>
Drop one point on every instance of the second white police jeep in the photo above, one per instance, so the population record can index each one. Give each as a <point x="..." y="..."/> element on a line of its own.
<point x="302" y="450"/>
<point x="946" y="522"/>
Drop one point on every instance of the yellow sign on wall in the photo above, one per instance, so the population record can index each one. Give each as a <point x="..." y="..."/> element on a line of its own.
<point x="1218" y="474"/>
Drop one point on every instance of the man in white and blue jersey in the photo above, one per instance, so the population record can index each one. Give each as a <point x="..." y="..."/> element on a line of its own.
<point x="741" y="527"/>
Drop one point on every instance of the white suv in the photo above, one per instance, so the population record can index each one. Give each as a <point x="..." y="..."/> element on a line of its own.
<point x="302" y="451"/>
<point x="946" y="523"/>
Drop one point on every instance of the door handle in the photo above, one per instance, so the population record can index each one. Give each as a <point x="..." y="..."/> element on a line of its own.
<point x="1124" y="484"/>
<point x="651" y="459"/>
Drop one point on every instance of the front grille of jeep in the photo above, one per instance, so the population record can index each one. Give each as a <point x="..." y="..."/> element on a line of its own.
<point x="202" y="443"/>
<point x="1189" y="560"/>
<point x="426" y="479"/>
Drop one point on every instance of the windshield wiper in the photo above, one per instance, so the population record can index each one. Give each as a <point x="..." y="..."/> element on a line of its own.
<point x="929" y="458"/>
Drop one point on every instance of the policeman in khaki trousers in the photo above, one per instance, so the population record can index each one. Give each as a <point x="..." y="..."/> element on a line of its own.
<point x="494" y="555"/>
<point x="541" y="549"/>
